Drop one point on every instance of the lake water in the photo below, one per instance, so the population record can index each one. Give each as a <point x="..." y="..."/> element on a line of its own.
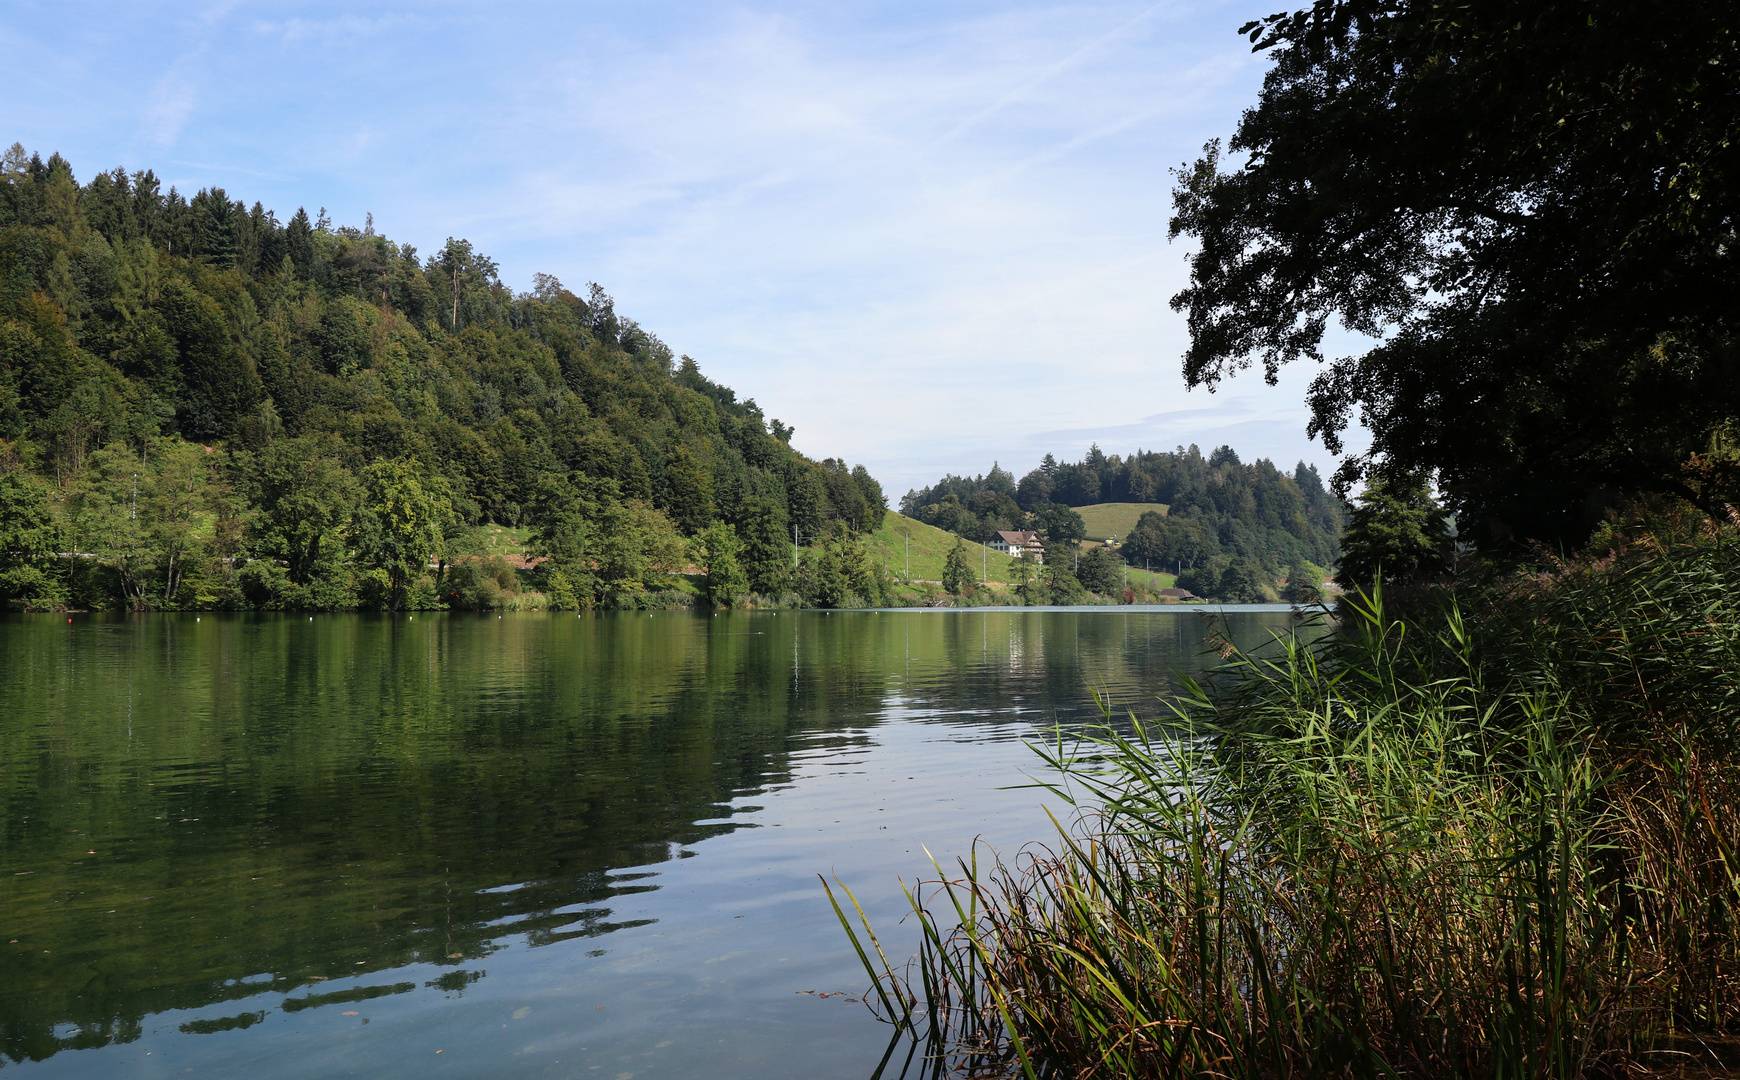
<point x="532" y="845"/>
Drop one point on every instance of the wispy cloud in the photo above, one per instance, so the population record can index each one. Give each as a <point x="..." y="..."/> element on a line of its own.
<point x="346" y="28"/>
<point x="1049" y="72"/>
<point x="168" y="107"/>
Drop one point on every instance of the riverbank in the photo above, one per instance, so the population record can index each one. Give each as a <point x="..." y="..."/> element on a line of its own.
<point x="1489" y="835"/>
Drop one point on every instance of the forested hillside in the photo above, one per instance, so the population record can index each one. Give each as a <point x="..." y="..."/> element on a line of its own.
<point x="202" y="405"/>
<point x="1234" y="529"/>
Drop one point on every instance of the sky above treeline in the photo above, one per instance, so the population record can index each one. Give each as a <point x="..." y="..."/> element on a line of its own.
<point x="928" y="235"/>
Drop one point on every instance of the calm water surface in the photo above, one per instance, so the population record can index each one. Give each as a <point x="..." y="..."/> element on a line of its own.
<point x="534" y="845"/>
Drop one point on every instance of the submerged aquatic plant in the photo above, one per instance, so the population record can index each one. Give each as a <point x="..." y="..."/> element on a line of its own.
<point x="1424" y="847"/>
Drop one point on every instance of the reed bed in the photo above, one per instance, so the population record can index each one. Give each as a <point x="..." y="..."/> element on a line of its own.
<point x="1491" y="845"/>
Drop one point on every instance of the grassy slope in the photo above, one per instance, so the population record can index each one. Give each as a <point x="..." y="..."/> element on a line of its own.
<point x="505" y="539"/>
<point x="1114" y="519"/>
<point x="930" y="546"/>
<point x="1152" y="581"/>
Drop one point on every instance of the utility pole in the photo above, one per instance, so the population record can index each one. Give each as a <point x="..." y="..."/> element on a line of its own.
<point x="908" y="554"/>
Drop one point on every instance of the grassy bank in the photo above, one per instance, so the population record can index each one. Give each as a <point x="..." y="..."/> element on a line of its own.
<point x="1114" y="520"/>
<point x="1492" y="838"/>
<point x="929" y="549"/>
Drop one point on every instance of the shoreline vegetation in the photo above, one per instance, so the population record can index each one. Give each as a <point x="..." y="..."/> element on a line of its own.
<point x="1484" y="831"/>
<point x="205" y="408"/>
<point x="503" y="571"/>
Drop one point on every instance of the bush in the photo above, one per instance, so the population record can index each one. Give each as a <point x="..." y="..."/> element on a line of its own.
<point x="480" y="584"/>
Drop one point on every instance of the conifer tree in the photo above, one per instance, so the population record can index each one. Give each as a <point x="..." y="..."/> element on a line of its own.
<point x="1398" y="530"/>
<point x="1303" y="586"/>
<point x="299" y="243"/>
<point x="717" y="550"/>
<point x="957" y="575"/>
<point x="767" y="546"/>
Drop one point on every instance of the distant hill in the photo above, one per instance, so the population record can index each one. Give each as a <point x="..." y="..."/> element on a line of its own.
<point x="1243" y="528"/>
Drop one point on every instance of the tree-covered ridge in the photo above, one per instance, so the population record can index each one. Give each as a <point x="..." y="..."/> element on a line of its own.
<point x="1216" y="515"/>
<point x="314" y="415"/>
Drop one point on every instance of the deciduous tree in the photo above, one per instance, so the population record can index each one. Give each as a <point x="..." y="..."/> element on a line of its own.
<point x="30" y="538"/>
<point x="1061" y="526"/>
<point x="1529" y="207"/>
<point x="399" y="525"/>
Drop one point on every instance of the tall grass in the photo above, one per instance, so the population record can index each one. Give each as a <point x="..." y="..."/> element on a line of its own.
<point x="1500" y="844"/>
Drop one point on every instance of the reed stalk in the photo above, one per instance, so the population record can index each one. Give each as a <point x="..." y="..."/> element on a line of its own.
<point x="1498" y="844"/>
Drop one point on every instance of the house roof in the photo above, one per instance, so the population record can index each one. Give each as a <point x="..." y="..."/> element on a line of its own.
<point x="1020" y="538"/>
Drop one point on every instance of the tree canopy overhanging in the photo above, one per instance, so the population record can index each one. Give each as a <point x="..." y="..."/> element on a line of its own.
<point x="1531" y="207"/>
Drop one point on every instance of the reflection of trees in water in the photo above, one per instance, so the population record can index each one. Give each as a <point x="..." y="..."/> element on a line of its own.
<point x="1051" y="662"/>
<point x="287" y="797"/>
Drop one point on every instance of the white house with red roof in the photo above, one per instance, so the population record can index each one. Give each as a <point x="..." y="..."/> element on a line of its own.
<point x="1014" y="543"/>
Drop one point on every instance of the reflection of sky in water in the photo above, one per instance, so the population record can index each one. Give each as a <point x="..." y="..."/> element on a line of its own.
<point x="885" y="740"/>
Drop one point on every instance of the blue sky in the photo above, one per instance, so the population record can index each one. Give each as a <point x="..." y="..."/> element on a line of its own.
<point x="929" y="235"/>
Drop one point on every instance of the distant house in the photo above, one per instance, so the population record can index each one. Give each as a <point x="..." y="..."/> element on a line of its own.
<point x="1014" y="543"/>
<point x="1177" y="594"/>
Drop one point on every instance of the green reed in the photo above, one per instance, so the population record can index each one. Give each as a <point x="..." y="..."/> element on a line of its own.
<point x="1494" y="845"/>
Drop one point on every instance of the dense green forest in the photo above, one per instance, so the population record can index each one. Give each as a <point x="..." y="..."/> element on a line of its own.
<point x="204" y="406"/>
<point x="1234" y="530"/>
